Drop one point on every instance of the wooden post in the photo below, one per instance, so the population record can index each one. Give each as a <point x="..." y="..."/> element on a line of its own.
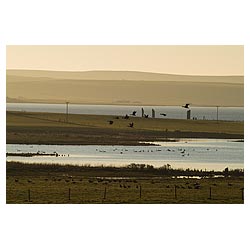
<point x="29" y="195"/>
<point x="175" y="192"/>
<point x="217" y="113"/>
<point x="140" y="191"/>
<point x="69" y="194"/>
<point x="210" y="193"/>
<point x="67" y="112"/>
<point x="104" y="197"/>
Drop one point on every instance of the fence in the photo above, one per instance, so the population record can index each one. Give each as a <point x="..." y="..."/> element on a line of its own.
<point x="125" y="192"/>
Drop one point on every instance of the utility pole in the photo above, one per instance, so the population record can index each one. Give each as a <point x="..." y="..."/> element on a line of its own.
<point x="217" y="113"/>
<point x="67" y="112"/>
<point x="142" y="112"/>
<point x="153" y="113"/>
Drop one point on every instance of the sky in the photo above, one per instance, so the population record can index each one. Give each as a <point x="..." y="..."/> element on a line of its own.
<point x="182" y="59"/>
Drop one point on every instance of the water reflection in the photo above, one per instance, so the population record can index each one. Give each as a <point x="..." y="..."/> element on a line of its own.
<point x="174" y="112"/>
<point x="209" y="154"/>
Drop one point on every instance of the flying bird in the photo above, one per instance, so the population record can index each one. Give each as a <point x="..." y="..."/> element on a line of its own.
<point x="110" y="122"/>
<point x="134" y="113"/>
<point x="163" y="114"/>
<point x="186" y="106"/>
<point x="146" y="116"/>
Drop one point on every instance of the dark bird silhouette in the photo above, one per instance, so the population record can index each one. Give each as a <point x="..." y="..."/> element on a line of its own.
<point x="163" y="114"/>
<point x="146" y="116"/>
<point x="110" y="122"/>
<point x="186" y="106"/>
<point x="131" y="125"/>
<point x="126" y="117"/>
<point x="133" y="113"/>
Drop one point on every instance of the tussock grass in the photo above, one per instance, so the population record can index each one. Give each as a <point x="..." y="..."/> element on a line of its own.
<point x="51" y="184"/>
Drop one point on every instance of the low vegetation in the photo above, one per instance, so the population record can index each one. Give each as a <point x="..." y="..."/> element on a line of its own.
<point x="38" y="183"/>
<point x="49" y="128"/>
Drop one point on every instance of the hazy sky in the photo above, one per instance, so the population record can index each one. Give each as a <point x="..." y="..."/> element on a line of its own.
<point x="189" y="60"/>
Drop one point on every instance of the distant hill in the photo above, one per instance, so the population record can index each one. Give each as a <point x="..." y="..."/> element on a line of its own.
<point x="121" y="75"/>
<point x="123" y="87"/>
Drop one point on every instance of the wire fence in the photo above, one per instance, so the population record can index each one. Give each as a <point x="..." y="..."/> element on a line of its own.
<point x="127" y="192"/>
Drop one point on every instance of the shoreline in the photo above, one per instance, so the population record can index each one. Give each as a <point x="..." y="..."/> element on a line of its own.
<point x="119" y="104"/>
<point x="146" y="142"/>
<point x="130" y="170"/>
<point x="52" y="129"/>
<point x="149" y="143"/>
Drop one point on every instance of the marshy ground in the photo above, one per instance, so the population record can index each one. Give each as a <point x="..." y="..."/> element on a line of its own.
<point x="54" y="184"/>
<point x="59" y="184"/>
<point x="51" y="128"/>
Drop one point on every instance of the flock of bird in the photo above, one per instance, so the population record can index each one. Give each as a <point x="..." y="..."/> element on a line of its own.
<point x="180" y="152"/>
<point x="131" y="124"/>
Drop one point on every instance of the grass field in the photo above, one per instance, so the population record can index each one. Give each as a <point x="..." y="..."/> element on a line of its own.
<point x="73" y="184"/>
<point x="51" y="128"/>
<point x="50" y="184"/>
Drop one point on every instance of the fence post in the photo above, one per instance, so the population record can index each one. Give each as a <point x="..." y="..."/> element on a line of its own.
<point x="175" y="192"/>
<point x="210" y="193"/>
<point x="69" y="194"/>
<point x="104" y="197"/>
<point x="29" y="195"/>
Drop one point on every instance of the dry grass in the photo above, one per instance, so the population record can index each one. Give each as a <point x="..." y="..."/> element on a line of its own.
<point x="24" y="127"/>
<point x="49" y="184"/>
<point x="101" y="121"/>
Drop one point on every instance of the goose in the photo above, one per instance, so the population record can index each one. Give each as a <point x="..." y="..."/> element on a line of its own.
<point x="131" y="125"/>
<point x="186" y="106"/>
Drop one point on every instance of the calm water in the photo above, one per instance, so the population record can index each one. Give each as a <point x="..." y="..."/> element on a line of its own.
<point x="210" y="154"/>
<point x="175" y="112"/>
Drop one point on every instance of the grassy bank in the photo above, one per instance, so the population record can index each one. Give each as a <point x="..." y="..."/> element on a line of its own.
<point x="37" y="183"/>
<point x="51" y="128"/>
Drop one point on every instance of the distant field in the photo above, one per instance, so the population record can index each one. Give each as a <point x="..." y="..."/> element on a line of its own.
<point x="50" y="184"/>
<point x="27" y="127"/>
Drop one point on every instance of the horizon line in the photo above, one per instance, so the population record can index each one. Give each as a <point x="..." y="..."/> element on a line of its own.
<point x="100" y="70"/>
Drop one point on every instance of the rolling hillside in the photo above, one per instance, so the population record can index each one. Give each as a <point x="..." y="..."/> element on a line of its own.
<point x="123" y="87"/>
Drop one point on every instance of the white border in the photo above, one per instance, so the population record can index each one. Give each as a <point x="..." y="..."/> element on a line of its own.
<point x="123" y="226"/>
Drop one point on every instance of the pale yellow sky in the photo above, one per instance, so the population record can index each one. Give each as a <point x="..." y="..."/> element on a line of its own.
<point x="188" y="60"/>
